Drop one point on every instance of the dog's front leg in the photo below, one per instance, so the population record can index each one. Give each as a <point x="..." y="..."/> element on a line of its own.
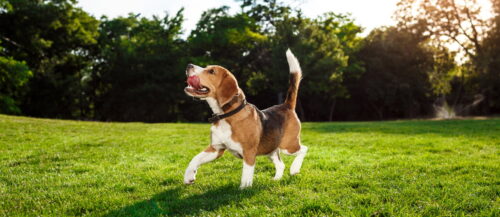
<point x="278" y="164"/>
<point x="206" y="156"/>
<point x="248" y="169"/>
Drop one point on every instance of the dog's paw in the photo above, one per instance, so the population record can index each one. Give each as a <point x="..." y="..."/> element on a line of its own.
<point x="246" y="184"/>
<point x="294" y="170"/>
<point x="189" y="177"/>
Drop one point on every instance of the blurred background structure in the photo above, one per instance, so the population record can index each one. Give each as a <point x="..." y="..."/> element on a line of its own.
<point x="439" y="58"/>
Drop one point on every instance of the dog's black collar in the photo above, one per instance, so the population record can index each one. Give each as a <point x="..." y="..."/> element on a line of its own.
<point x="216" y="117"/>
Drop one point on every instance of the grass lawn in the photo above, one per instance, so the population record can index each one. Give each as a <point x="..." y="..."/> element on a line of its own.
<point x="394" y="168"/>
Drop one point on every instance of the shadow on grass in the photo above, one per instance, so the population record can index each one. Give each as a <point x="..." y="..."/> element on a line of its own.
<point x="176" y="202"/>
<point x="447" y="128"/>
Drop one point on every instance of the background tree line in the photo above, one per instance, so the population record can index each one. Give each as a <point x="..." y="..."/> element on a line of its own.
<point x="57" y="61"/>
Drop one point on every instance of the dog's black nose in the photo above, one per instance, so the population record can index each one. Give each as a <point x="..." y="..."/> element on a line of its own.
<point x="190" y="66"/>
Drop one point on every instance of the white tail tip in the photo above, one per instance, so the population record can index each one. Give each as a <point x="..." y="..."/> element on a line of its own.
<point x="293" y="63"/>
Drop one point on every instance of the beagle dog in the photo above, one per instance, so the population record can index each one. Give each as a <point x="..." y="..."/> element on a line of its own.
<point x="243" y="129"/>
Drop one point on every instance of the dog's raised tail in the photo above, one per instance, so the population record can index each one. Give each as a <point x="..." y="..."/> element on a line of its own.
<point x="295" y="77"/>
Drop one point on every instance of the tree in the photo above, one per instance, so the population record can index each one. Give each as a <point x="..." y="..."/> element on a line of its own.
<point x="447" y="23"/>
<point x="266" y="13"/>
<point x="395" y="83"/>
<point x="53" y="38"/>
<point x="234" y="41"/>
<point x="325" y="47"/>
<point x="13" y="76"/>
<point x="252" y="45"/>
<point x="139" y="73"/>
<point x="488" y="83"/>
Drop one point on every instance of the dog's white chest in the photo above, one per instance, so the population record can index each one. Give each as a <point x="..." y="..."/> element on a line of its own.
<point x="221" y="135"/>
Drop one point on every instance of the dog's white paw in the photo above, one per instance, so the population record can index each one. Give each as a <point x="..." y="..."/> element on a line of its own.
<point x="247" y="176"/>
<point x="246" y="184"/>
<point x="295" y="168"/>
<point x="294" y="172"/>
<point x="278" y="176"/>
<point x="297" y="162"/>
<point x="189" y="176"/>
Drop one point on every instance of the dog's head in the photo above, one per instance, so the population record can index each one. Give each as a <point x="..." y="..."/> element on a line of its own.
<point x="211" y="81"/>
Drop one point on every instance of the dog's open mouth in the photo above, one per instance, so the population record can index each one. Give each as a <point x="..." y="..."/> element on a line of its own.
<point x="201" y="91"/>
<point x="195" y="88"/>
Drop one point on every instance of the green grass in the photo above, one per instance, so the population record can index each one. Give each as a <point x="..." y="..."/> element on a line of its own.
<point x="395" y="168"/>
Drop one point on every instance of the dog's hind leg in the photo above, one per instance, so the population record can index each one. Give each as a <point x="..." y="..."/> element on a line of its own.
<point x="297" y="162"/>
<point x="278" y="163"/>
<point x="290" y="143"/>
<point x="300" y="152"/>
<point x="206" y="156"/>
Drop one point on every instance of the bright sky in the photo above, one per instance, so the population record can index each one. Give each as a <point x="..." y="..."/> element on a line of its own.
<point x="367" y="13"/>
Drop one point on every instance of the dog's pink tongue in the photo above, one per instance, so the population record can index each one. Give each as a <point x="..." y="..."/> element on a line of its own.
<point x="194" y="81"/>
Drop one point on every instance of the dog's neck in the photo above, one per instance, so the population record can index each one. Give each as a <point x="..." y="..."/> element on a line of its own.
<point x="231" y="105"/>
<point x="214" y="105"/>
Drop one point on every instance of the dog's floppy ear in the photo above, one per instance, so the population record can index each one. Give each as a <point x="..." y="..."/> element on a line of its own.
<point x="228" y="88"/>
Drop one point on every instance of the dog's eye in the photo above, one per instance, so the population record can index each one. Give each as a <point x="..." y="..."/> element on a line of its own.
<point x="211" y="71"/>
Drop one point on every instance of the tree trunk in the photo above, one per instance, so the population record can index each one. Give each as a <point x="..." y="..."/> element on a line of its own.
<point x="379" y="111"/>
<point x="459" y="93"/>
<point x="332" y="109"/>
<point x="300" y="110"/>
<point x="280" y="98"/>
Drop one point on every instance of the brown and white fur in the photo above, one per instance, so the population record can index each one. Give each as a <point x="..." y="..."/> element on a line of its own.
<point x="250" y="132"/>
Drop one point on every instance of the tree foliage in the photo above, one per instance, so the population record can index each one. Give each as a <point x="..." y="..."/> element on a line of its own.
<point x="259" y="41"/>
<point x="325" y="47"/>
<point x="13" y="76"/>
<point x="456" y="22"/>
<point x="139" y="73"/>
<point x="53" y="38"/>
<point x="58" y="61"/>
<point x="488" y="83"/>
<point x="395" y="82"/>
<point x="446" y="21"/>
